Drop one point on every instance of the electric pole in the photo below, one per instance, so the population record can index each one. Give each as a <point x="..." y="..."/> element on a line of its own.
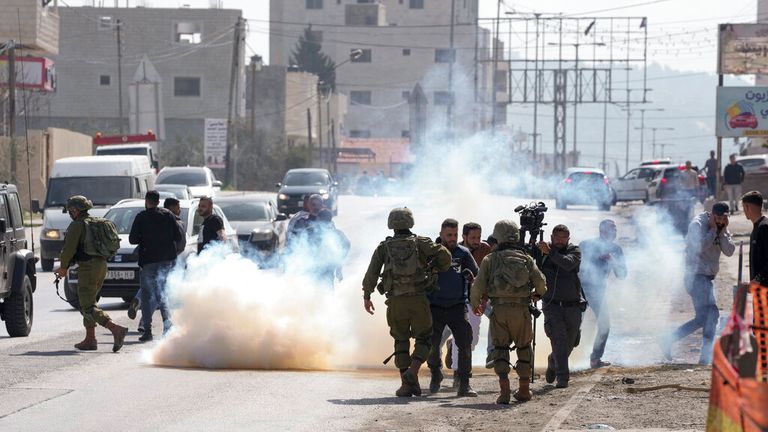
<point x="449" y="116"/>
<point x="12" y="105"/>
<point x="495" y="46"/>
<point x="119" y="77"/>
<point x="229" y="176"/>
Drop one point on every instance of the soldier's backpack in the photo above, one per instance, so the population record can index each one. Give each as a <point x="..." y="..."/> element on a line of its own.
<point x="101" y="238"/>
<point x="403" y="270"/>
<point x="509" y="272"/>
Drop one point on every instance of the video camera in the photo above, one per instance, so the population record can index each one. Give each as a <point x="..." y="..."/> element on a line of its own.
<point x="531" y="220"/>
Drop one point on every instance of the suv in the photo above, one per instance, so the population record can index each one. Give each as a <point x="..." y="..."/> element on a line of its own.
<point x="18" y="266"/>
<point x="587" y="186"/>
<point x="299" y="184"/>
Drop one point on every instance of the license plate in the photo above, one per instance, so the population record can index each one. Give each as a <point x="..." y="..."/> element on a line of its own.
<point x="120" y="274"/>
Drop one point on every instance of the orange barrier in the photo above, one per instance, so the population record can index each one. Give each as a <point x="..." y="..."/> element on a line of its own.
<point x="738" y="399"/>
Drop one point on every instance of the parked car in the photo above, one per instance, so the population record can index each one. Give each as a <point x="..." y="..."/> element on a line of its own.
<point x="18" y="266"/>
<point x="587" y="186"/>
<point x="104" y="180"/>
<point x="122" y="279"/>
<point x="179" y="191"/>
<point x="659" y="161"/>
<point x="633" y="185"/>
<point x="130" y="150"/>
<point x="258" y="224"/>
<point x="299" y="184"/>
<point x="666" y="183"/>
<point x="754" y="164"/>
<point x="200" y="180"/>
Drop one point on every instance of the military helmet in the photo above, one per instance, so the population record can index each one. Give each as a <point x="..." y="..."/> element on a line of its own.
<point x="506" y="231"/>
<point x="79" y="202"/>
<point x="400" y="218"/>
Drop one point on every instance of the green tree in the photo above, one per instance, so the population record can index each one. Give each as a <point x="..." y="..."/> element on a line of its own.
<point x="308" y="56"/>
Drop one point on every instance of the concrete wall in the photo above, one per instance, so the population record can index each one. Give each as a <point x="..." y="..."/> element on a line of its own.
<point x="39" y="25"/>
<point x="45" y="147"/>
<point x="391" y="70"/>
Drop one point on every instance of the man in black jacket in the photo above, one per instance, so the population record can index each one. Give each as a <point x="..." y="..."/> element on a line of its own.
<point x="752" y="203"/>
<point x="156" y="232"/>
<point x="563" y="304"/>
<point x="733" y="177"/>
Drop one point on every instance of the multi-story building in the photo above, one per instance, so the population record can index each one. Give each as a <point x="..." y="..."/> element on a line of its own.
<point x="403" y="42"/>
<point x="191" y="49"/>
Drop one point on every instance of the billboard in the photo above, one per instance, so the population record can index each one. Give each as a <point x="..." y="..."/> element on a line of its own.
<point x="742" y="112"/>
<point x="743" y="49"/>
<point x="215" y="148"/>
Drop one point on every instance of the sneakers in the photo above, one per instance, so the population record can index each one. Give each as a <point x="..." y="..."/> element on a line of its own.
<point x="146" y="337"/>
<point x="597" y="363"/>
<point x="133" y="308"/>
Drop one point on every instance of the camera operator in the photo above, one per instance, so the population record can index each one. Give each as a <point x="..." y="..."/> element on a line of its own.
<point x="563" y="304"/>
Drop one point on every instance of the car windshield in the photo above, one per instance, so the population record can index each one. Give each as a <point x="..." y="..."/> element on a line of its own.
<point x="189" y="178"/>
<point x="123" y="218"/>
<point x="138" y="151"/>
<point x="306" y="179"/>
<point x="752" y="163"/>
<point x="243" y="211"/>
<point x="178" y="191"/>
<point x="102" y="191"/>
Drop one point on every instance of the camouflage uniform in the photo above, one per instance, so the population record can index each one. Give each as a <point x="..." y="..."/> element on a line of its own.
<point x="406" y="259"/>
<point x="91" y="272"/>
<point x="507" y="276"/>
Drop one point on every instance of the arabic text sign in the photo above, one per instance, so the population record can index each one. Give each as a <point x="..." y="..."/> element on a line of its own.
<point x="215" y="143"/>
<point x="742" y="111"/>
<point x="743" y="49"/>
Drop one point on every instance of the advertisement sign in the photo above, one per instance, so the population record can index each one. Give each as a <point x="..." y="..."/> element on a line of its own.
<point x="215" y="148"/>
<point x="743" y="49"/>
<point x="742" y="112"/>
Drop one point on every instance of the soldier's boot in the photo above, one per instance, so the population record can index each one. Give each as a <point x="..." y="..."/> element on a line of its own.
<point x="89" y="343"/>
<point x="523" y="394"/>
<point x="411" y="376"/>
<point x="118" y="333"/>
<point x="504" y="393"/>
<point x="437" y="379"/>
<point x="465" y="390"/>
<point x="405" y="388"/>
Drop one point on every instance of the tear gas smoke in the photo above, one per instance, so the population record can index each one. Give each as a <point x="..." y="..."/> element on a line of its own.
<point x="233" y="314"/>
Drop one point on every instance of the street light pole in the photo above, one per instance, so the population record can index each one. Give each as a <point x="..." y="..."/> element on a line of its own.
<point x="642" y="128"/>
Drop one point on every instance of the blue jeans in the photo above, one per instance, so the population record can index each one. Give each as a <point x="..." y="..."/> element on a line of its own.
<point x="152" y="291"/>
<point x="702" y="291"/>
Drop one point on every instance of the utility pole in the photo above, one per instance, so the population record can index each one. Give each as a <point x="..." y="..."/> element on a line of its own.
<point x="495" y="46"/>
<point x="12" y="105"/>
<point x="229" y="176"/>
<point x="119" y="77"/>
<point x="654" y="129"/>
<point x="449" y="112"/>
<point x="536" y="91"/>
<point x="319" y="124"/>
<point x="309" y="130"/>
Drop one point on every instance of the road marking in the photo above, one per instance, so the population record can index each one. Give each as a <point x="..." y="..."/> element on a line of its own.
<point x="561" y="415"/>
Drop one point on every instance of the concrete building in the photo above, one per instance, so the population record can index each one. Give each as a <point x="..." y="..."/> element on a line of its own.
<point x="39" y="29"/>
<point x="284" y="97"/>
<point x="404" y="42"/>
<point x="191" y="49"/>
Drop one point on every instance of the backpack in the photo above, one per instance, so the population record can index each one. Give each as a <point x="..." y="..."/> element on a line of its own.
<point x="403" y="271"/>
<point x="101" y="238"/>
<point x="509" y="273"/>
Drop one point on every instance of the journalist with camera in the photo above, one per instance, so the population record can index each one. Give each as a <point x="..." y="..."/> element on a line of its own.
<point x="563" y="303"/>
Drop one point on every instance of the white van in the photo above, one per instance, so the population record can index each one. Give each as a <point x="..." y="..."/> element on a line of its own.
<point x="104" y="180"/>
<point x="129" y="149"/>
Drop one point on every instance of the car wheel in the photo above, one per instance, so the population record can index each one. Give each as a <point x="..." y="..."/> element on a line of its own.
<point x="19" y="310"/>
<point x="46" y="264"/>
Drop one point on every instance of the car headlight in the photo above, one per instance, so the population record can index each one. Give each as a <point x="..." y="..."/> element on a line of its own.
<point x="51" y="234"/>
<point x="326" y="196"/>
<point x="282" y="197"/>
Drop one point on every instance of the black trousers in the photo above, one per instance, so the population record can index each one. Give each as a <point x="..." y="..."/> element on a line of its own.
<point x="562" y="324"/>
<point x="455" y="318"/>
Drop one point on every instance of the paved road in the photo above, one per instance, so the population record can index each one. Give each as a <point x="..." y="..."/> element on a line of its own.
<point x="47" y="385"/>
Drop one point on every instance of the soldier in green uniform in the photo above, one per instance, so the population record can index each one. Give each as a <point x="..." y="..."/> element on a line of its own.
<point x="410" y="266"/>
<point x="91" y="273"/>
<point x="510" y="279"/>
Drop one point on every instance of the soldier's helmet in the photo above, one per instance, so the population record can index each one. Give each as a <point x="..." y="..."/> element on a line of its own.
<point x="79" y="202"/>
<point x="506" y="231"/>
<point x="400" y="218"/>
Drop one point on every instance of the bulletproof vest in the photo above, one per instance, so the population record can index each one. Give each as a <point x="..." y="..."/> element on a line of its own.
<point x="509" y="274"/>
<point x="404" y="273"/>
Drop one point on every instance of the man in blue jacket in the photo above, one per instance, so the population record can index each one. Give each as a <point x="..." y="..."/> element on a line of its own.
<point x="448" y="304"/>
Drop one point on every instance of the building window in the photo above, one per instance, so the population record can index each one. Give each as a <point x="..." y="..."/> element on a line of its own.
<point x="356" y="133"/>
<point x="365" y="57"/>
<point x="186" y="86"/>
<point x="406" y="94"/>
<point x="188" y="33"/>
<point x="105" y="80"/>
<point x="105" y="23"/>
<point x="405" y="134"/>
<point x="443" y="55"/>
<point x="314" y="4"/>
<point x="416" y="4"/>
<point x="406" y="51"/>
<point x="360" y="97"/>
<point x="442" y="98"/>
